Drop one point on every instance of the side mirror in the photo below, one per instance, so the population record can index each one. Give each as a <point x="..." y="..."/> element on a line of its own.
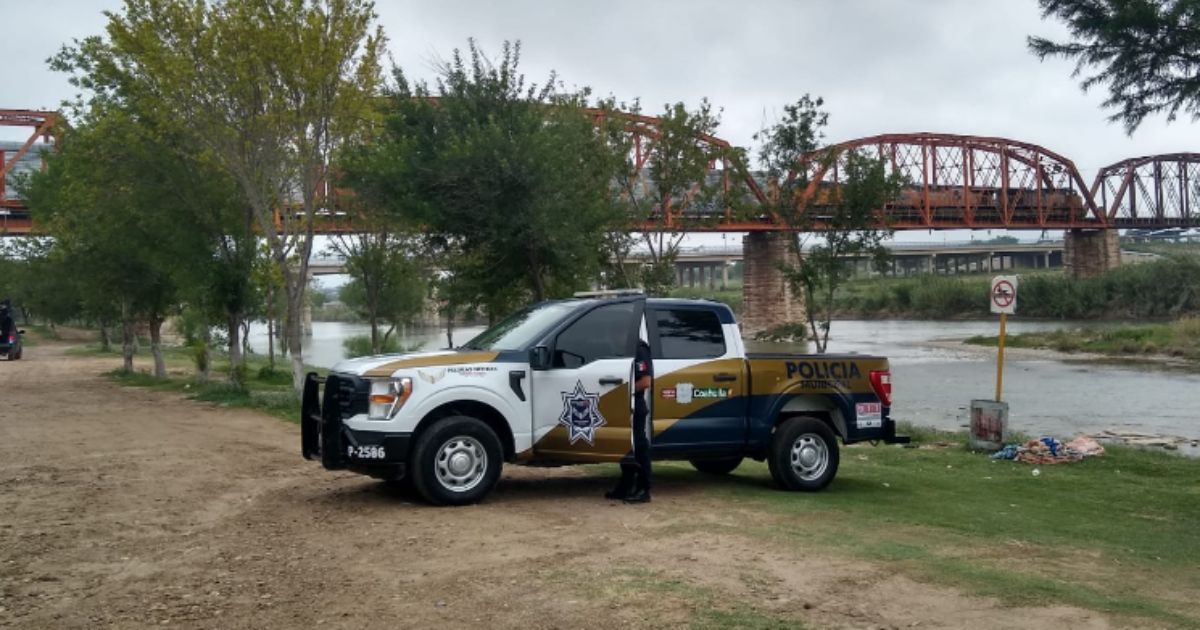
<point x="539" y="358"/>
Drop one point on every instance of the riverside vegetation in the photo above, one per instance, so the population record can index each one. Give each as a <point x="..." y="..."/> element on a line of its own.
<point x="1179" y="339"/>
<point x="1161" y="289"/>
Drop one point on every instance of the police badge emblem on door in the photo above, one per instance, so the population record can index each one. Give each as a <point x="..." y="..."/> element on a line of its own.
<point x="581" y="414"/>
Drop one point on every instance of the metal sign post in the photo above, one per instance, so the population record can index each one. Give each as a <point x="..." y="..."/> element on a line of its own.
<point x="1004" y="302"/>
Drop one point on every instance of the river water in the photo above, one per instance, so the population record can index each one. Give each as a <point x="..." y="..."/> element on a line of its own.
<point x="934" y="379"/>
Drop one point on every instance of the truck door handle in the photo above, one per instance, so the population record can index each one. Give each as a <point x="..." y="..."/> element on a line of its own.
<point x="611" y="380"/>
<point x="721" y="377"/>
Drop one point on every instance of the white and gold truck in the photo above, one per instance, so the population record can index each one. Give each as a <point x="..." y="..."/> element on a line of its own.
<point x="551" y="385"/>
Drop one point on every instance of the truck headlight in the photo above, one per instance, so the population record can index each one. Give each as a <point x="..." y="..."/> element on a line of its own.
<point x="388" y="395"/>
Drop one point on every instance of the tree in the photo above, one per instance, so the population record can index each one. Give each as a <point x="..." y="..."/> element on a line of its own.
<point x="108" y="225"/>
<point x="271" y="87"/>
<point x="511" y="180"/>
<point x="387" y="282"/>
<point x="843" y="217"/>
<point x="677" y="160"/>
<point x="1147" y="53"/>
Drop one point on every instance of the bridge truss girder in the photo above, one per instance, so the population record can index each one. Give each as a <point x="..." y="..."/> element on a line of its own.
<point x="1151" y="191"/>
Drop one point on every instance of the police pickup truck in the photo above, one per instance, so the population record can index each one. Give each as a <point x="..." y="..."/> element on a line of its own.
<point x="550" y="385"/>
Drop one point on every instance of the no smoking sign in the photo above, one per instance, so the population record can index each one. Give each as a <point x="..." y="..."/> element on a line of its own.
<point x="1004" y="294"/>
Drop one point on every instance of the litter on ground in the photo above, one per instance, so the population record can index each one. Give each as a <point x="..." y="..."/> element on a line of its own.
<point x="1048" y="450"/>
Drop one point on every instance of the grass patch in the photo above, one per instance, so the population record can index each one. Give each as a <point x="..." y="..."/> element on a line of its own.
<point x="1115" y="534"/>
<point x="1179" y="339"/>
<point x="268" y="390"/>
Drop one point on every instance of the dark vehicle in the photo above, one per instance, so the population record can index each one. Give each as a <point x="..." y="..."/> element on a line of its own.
<point x="10" y="345"/>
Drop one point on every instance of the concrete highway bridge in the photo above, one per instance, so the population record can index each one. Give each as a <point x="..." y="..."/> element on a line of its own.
<point x="708" y="265"/>
<point x="953" y="182"/>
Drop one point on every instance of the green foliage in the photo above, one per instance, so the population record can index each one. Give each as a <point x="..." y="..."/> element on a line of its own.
<point x="511" y="179"/>
<point x="315" y="297"/>
<point x="732" y="297"/>
<point x="1177" y="339"/>
<point x="273" y="376"/>
<point x="110" y="233"/>
<point x="678" y="193"/>
<point x="1146" y="52"/>
<point x="784" y="333"/>
<point x="388" y="281"/>
<point x="1165" y="288"/>
<point x="360" y="346"/>
<point x="1003" y="239"/>
<point x="844" y="225"/>
<point x="269" y="89"/>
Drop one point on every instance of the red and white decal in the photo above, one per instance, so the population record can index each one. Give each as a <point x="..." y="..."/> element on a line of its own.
<point x="869" y="415"/>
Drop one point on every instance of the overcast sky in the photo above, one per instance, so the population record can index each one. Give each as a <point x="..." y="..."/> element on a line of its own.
<point x="954" y="66"/>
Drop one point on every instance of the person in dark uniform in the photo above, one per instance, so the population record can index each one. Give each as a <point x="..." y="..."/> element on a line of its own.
<point x="634" y="486"/>
<point x="7" y="325"/>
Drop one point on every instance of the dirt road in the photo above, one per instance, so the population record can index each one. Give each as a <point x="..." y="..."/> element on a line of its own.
<point x="122" y="507"/>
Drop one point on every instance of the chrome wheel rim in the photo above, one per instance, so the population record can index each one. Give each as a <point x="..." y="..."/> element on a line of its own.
<point x="461" y="463"/>
<point x="810" y="456"/>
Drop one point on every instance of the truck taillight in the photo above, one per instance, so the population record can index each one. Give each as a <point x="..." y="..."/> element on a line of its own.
<point x="881" y="382"/>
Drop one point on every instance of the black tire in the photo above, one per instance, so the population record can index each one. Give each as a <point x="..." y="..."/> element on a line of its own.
<point x="803" y="455"/>
<point x="456" y="441"/>
<point x="721" y="466"/>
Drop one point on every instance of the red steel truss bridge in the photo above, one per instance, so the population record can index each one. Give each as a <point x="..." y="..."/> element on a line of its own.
<point x="952" y="182"/>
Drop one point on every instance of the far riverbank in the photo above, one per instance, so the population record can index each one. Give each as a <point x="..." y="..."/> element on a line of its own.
<point x="1172" y="344"/>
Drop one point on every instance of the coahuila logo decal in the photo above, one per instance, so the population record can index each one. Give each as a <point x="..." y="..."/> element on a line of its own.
<point x="581" y="414"/>
<point x="685" y="393"/>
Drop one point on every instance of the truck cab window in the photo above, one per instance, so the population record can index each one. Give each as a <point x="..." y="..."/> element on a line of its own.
<point x="603" y="333"/>
<point x="689" y="334"/>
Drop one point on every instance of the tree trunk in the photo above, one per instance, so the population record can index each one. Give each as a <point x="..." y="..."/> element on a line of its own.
<point x="236" y="363"/>
<point x="376" y="343"/>
<point x="294" y="286"/>
<point x="205" y="359"/>
<point x="128" y="340"/>
<point x="271" y="342"/>
<point x="535" y="276"/>
<point x="449" y="327"/>
<point x="245" y="339"/>
<point x="105" y="338"/>
<point x="160" y="365"/>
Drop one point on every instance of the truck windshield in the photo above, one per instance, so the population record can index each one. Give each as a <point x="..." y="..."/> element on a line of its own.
<point x="522" y="328"/>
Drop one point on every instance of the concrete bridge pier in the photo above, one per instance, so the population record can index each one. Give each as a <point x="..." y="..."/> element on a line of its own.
<point x="767" y="300"/>
<point x="1089" y="253"/>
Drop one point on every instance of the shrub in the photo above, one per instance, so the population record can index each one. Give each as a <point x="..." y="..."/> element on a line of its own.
<point x="360" y="346"/>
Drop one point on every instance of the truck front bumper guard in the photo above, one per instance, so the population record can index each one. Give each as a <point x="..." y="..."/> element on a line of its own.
<point x="324" y="434"/>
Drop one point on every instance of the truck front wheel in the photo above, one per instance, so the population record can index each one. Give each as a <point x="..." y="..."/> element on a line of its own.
<point x="804" y="454"/>
<point x="456" y="461"/>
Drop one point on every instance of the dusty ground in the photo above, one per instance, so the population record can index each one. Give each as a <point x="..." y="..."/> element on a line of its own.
<point x="122" y="507"/>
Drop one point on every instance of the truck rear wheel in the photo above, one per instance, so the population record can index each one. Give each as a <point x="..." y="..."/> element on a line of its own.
<point x="804" y="454"/>
<point x="721" y="466"/>
<point x="456" y="461"/>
